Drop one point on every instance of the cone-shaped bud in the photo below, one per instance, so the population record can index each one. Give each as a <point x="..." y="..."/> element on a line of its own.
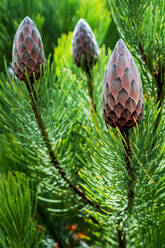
<point x="84" y="46"/>
<point x="122" y="90"/>
<point x="27" y="51"/>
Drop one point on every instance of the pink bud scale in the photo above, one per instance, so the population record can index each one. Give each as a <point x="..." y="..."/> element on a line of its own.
<point x="122" y="90"/>
<point x="27" y="51"/>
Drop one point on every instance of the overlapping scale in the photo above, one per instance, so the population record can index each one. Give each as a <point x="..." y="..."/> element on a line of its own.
<point x="84" y="46"/>
<point x="122" y="90"/>
<point x="27" y="51"/>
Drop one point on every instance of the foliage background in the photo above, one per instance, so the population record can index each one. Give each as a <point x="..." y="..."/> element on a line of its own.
<point x="52" y="19"/>
<point x="40" y="203"/>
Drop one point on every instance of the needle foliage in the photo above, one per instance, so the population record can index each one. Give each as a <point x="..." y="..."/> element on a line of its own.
<point x="78" y="166"/>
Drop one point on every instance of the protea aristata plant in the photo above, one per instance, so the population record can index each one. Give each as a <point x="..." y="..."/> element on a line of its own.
<point x="122" y="90"/>
<point x="84" y="46"/>
<point x="27" y="51"/>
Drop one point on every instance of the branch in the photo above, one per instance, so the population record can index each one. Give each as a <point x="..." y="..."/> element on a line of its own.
<point x="144" y="57"/>
<point x="158" y="75"/>
<point x="122" y="240"/>
<point x="130" y="170"/>
<point x="90" y="89"/>
<point x="52" y="155"/>
<point x="50" y="226"/>
<point x="120" y="231"/>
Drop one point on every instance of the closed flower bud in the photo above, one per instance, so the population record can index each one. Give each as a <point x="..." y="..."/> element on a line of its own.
<point x="123" y="100"/>
<point x="84" y="46"/>
<point x="28" y="50"/>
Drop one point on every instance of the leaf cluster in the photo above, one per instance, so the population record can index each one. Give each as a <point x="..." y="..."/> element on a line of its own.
<point x="18" y="227"/>
<point x="89" y="157"/>
<point x="52" y="19"/>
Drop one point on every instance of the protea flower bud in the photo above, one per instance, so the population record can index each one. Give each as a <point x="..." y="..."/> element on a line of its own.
<point x="84" y="46"/>
<point x="122" y="90"/>
<point x="28" y="50"/>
